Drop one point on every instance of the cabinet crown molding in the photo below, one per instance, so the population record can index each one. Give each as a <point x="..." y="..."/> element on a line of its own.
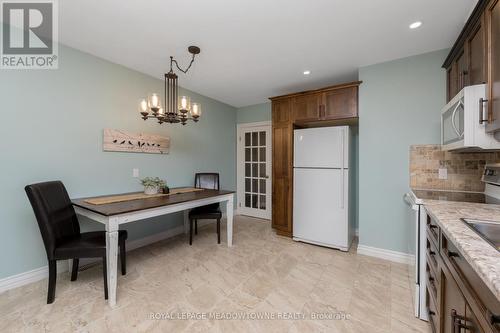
<point x="315" y="91"/>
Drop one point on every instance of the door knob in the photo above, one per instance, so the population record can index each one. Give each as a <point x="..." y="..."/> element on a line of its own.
<point x="267" y="177"/>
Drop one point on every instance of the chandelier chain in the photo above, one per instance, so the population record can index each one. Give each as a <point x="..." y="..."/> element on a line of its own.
<point x="173" y="61"/>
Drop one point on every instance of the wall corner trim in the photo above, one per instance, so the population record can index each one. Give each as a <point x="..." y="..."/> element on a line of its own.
<point x="394" y="256"/>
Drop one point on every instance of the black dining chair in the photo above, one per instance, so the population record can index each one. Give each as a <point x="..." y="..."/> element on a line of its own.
<point x="211" y="212"/>
<point x="61" y="234"/>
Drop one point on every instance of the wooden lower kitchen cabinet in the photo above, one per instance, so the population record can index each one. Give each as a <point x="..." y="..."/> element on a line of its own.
<point x="458" y="301"/>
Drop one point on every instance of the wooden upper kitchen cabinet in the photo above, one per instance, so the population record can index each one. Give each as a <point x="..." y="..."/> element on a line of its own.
<point x="466" y="63"/>
<point x="334" y="105"/>
<point x="307" y="107"/>
<point x="331" y="103"/>
<point x="476" y="46"/>
<point x="281" y="112"/>
<point x="341" y="103"/>
<point x="475" y="59"/>
<point x="493" y="32"/>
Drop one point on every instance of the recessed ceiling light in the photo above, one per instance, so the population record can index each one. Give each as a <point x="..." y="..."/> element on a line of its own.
<point x="307" y="72"/>
<point x="415" y="25"/>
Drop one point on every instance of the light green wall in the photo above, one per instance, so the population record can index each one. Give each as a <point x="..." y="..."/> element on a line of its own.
<point x="400" y="103"/>
<point x="254" y="113"/>
<point x="51" y="128"/>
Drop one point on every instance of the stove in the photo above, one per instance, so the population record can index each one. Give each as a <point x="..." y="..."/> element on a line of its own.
<point x="473" y="197"/>
<point x="418" y="216"/>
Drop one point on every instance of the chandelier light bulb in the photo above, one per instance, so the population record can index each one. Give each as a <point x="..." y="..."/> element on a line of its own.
<point x="143" y="106"/>
<point x="154" y="102"/>
<point x="184" y="104"/>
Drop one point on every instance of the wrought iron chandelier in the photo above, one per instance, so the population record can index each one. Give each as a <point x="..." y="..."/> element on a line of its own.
<point x="176" y="109"/>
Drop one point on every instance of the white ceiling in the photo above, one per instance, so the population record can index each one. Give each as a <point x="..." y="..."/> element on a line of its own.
<point x="254" y="49"/>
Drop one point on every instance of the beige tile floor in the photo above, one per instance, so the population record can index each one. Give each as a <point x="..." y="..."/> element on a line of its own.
<point x="263" y="274"/>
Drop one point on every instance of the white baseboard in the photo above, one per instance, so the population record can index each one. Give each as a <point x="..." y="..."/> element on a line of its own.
<point x="390" y="255"/>
<point x="28" y="277"/>
<point x="41" y="273"/>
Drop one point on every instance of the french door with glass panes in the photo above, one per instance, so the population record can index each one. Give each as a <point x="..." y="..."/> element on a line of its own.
<point x="254" y="170"/>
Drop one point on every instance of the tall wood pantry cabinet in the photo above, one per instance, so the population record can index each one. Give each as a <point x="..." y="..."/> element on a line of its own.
<point x="334" y="105"/>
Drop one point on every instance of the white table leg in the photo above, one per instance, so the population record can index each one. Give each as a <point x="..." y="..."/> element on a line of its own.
<point x="186" y="221"/>
<point x="112" y="260"/>
<point x="229" y="213"/>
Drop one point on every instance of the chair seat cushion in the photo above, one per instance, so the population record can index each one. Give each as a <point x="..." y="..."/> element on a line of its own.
<point x="206" y="212"/>
<point x="86" y="245"/>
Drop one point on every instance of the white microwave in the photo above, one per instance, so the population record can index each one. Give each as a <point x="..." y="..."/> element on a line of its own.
<point x="463" y="124"/>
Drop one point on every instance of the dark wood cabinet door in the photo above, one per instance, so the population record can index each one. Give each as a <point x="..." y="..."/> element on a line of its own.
<point x="452" y="301"/>
<point x="306" y="108"/>
<point x="451" y="77"/>
<point x="493" y="32"/>
<point x="281" y="112"/>
<point x="340" y="104"/>
<point x="476" y="48"/>
<point x="282" y="178"/>
<point x="462" y="71"/>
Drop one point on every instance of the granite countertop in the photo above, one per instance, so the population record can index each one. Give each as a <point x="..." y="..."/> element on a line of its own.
<point x="481" y="255"/>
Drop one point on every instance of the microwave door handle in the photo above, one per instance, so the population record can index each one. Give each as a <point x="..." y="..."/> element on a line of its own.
<point x="453" y="120"/>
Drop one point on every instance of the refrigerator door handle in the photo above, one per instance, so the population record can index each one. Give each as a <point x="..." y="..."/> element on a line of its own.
<point x="342" y="132"/>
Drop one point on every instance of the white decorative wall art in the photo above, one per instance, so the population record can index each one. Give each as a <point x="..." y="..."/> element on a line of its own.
<point x="124" y="141"/>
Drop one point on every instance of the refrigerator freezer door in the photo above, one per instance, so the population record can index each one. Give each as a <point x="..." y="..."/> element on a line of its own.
<point x="320" y="207"/>
<point x="325" y="147"/>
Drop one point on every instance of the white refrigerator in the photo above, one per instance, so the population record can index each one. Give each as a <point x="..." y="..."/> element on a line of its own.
<point x="321" y="187"/>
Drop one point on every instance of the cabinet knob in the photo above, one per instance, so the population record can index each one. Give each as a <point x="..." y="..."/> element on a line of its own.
<point x="452" y="254"/>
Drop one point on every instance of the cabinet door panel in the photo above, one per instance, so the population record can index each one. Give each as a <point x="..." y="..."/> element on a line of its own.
<point x="281" y="111"/>
<point x="493" y="28"/>
<point x="341" y="103"/>
<point x="281" y="218"/>
<point x="452" y="81"/>
<point x="476" y="47"/>
<point x="462" y="72"/>
<point x="282" y="178"/>
<point x="452" y="299"/>
<point x="306" y="108"/>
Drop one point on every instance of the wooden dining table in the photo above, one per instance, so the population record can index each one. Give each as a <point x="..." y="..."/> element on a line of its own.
<point x="114" y="214"/>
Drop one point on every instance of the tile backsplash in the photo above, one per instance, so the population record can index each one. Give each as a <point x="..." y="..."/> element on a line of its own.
<point x="464" y="169"/>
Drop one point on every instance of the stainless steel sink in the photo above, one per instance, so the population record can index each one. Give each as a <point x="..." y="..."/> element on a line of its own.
<point x="488" y="230"/>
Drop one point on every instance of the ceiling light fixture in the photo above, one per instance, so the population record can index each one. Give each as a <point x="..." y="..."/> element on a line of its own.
<point x="415" y="25"/>
<point x="307" y="72"/>
<point x="175" y="109"/>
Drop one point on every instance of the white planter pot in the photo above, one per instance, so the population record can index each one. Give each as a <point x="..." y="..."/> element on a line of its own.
<point x="150" y="190"/>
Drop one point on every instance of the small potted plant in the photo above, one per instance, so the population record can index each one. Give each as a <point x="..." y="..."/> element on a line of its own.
<point x="165" y="189"/>
<point x="152" y="185"/>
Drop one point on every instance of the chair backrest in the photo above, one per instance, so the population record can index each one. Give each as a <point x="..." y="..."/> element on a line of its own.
<point x="54" y="213"/>
<point x="208" y="181"/>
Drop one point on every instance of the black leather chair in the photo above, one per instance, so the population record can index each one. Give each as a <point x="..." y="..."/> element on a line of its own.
<point x="61" y="234"/>
<point x="208" y="181"/>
